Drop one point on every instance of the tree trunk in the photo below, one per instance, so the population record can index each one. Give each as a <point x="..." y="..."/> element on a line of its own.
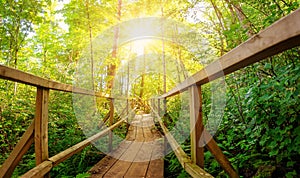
<point x="221" y="24"/>
<point x="142" y="82"/>
<point x="163" y="59"/>
<point x="91" y="44"/>
<point x="247" y="25"/>
<point x="112" y="67"/>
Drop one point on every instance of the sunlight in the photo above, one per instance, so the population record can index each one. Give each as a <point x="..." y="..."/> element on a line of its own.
<point x="142" y="31"/>
<point x="143" y="28"/>
<point x="139" y="46"/>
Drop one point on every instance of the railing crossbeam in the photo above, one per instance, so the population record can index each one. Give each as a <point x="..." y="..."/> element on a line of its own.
<point x="16" y="155"/>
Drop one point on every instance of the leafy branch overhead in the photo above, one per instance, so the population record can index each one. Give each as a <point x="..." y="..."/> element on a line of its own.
<point x="81" y="42"/>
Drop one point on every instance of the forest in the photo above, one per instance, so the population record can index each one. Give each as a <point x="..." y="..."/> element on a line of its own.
<point x="141" y="49"/>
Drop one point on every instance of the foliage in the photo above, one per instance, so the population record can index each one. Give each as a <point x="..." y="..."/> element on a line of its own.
<point x="260" y="129"/>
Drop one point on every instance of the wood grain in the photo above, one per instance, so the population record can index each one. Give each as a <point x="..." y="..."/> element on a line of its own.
<point x="60" y="157"/>
<point x="41" y="126"/>
<point x="280" y="36"/>
<point x="136" y="159"/>
<point x="185" y="161"/>
<point x="29" y="79"/>
<point x="196" y="125"/>
<point x="19" y="150"/>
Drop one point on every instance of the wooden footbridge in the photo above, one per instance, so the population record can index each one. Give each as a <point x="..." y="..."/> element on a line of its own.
<point x="140" y="154"/>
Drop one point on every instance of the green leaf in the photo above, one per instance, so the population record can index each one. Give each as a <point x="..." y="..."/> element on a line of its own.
<point x="291" y="174"/>
<point x="83" y="175"/>
<point x="268" y="66"/>
<point x="290" y="163"/>
<point x="273" y="152"/>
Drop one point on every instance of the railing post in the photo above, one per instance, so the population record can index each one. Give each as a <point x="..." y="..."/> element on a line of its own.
<point x="127" y="106"/>
<point x="196" y="125"/>
<point x="9" y="165"/>
<point x="165" y="121"/>
<point x="158" y="107"/>
<point x="153" y="106"/>
<point x="111" y="119"/>
<point x="165" y="105"/>
<point x="127" y="113"/>
<point x="41" y="126"/>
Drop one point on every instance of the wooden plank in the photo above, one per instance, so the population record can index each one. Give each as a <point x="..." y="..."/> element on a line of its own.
<point x="29" y="79"/>
<point x="156" y="165"/>
<point x="158" y="150"/>
<point x="140" y="163"/>
<point x="19" y="150"/>
<point x="101" y="168"/>
<point x="60" y="157"/>
<point x="196" y="125"/>
<point x="39" y="171"/>
<point x="137" y="169"/>
<point x="135" y="161"/>
<point x="280" y="36"/>
<point x="118" y="169"/>
<point x="212" y="146"/>
<point x="156" y="168"/>
<point x="41" y="126"/>
<point x="185" y="161"/>
<point x="139" y="134"/>
<point x="111" y="120"/>
<point x="122" y="165"/>
<point x="148" y="135"/>
<point x="131" y="152"/>
<point x="131" y="134"/>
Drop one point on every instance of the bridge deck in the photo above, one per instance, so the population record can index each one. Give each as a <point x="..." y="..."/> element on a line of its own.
<point x="139" y="155"/>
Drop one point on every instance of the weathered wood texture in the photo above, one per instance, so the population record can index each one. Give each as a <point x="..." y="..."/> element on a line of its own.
<point x="43" y="168"/>
<point x="196" y="125"/>
<point x="185" y="161"/>
<point x="215" y="150"/>
<point x="111" y="120"/>
<point x="280" y="36"/>
<point x="139" y="155"/>
<point x="39" y="171"/>
<point x="41" y="126"/>
<point x="16" y="155"/>
<point x="29" y="79"/>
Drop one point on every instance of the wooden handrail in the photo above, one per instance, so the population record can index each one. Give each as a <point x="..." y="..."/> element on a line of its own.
<point x="16" y="155"/>
<point x="280" y="36"/>
<point x="43" y="168"/>
<point x="29" y="79"/>
<point x="185" y="161"/>
<point x="38" y="132"/>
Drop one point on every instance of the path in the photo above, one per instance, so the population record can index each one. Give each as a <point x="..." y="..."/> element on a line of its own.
<point x="139" y="155"/>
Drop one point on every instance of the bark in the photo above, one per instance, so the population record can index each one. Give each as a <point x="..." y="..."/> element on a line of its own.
<point x="247" y="25"/>
<point x="142" y="82"/>
<point x="221" y="21"/>
<point x="112" y="67"/>
<point x="219" y="14"/>
<point x="91" y="44"/>
<point x="163" y="59"/>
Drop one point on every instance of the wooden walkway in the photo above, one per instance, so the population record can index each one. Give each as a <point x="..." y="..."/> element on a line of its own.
<point x="139" y="155"/>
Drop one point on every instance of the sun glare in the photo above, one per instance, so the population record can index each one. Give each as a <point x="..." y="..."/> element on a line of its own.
<point x="139" y="46"/>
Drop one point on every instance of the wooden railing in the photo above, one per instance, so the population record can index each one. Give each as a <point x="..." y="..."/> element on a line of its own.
<point x="37" y="132"/>
<point x="282" y="35"/>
